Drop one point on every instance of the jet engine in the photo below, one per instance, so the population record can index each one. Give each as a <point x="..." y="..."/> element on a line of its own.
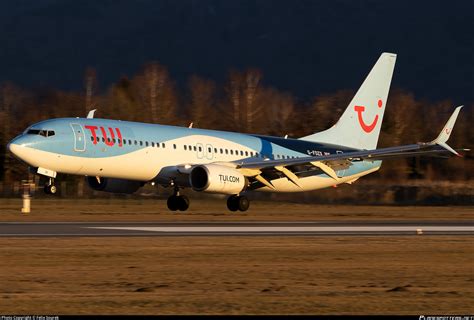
<point x="114" y="185"/>
<point x="215" y="178"/>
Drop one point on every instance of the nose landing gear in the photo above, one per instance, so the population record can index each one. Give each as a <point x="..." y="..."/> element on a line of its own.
<point x="50" y="188"/>
<point x="237" y="202"/>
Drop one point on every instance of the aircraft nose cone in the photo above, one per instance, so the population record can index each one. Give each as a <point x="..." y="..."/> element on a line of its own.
<point x="21" y="148"/>
<point x="13" y="148"/>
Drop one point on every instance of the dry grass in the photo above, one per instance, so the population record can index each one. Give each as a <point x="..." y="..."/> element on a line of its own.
<point x="234" y="275"/>
<point x="238" y="275"/>
<point x="155" y="210"/>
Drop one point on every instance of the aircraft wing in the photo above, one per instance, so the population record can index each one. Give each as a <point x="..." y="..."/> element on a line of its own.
<point x="330" y="163"/>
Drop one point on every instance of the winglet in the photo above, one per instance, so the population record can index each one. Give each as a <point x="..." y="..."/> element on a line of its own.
<point x="446" y="132"/>
<point x="90" y="115"/>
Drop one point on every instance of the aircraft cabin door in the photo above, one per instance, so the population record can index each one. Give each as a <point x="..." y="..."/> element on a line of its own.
<point x="200" y="151"/>
<point x="79" y="137"/>
<point x="209" y="152"/>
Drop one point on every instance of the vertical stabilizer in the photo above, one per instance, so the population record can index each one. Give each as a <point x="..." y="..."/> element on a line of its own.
<point x="359" y="125"/>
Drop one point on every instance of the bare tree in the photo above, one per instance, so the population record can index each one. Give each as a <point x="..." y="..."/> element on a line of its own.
<point x="242" y="93"/>
<point x="278" y="109"/>
<point x="234" y="93"/>
<point x="250" y="92"/>
<point x="120" y="101"/>
<point x="202" y="101"/>
<point x="90" y="86"/>
<point x="10" y="98"/>
<point x="155" y="91"/>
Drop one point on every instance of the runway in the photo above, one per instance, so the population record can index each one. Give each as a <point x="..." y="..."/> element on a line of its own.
<point x="326" y="228"/>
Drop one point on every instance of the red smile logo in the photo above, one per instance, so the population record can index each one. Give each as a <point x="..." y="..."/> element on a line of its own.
<point x="367" y="127"/>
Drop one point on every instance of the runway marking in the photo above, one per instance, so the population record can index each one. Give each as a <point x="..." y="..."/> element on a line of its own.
<point x="109" y="229"/>
<point x="328" y="229"/>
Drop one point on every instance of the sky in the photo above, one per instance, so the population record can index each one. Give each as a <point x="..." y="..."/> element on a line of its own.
<point x="306" y="47"/>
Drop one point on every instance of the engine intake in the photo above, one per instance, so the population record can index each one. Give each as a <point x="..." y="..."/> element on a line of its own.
<point x="215" y="178"/>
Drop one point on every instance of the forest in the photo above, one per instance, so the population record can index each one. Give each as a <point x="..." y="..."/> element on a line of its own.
<point x="245" y="103"/>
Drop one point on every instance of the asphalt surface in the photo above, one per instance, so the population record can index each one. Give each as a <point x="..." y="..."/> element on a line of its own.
<point x="326" y="228"/>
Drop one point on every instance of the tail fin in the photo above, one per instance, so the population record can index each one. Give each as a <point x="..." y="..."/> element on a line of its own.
<point x="359" y="126"/>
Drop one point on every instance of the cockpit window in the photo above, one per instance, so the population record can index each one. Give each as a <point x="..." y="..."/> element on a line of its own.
<point x="44" y="133"/>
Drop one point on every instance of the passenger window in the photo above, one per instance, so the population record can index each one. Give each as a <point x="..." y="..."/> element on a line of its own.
<point x="185" y="147"/>
<point x="141" y="143"/>
<point x="222" y="151"/>
<point x="194" y="148"/>
<point x="200" y="149"/>
<point x="215" y="150"/>
<point x="163" y="145"/>
<point x="153" y="144"/>
<point x="226" y="151"/>
<point x="232" y="152"/>
<point x="246" y="153"/>
<point x="146" y="143"/>
<point x="209" y="150"/>
<point x="92" y="139"/>
<point x="174" y="146"/>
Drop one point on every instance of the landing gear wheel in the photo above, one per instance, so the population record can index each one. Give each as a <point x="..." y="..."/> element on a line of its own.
<point x="243" y="203"/>
<point x="232" y="203"/>
<point x="180" y="203"/>
<point x="50" y="189"/>
<point x="240" y="203"/>
<point x="172" y="203"/>
<point x="183" y="203"/>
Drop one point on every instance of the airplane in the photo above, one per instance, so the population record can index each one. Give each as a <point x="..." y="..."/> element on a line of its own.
<point x="121" y="156"/>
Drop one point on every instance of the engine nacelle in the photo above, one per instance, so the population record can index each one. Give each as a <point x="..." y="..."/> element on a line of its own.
<point x="114" y="185"/>
<point x="215" y="178"/>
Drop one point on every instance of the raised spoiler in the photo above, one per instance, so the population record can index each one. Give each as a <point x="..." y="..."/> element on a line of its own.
<point x="435" y="147"/>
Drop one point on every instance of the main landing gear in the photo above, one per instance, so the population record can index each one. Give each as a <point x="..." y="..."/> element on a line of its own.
<point x="50" y="188"/>
<point x="177" y="201"/>
<point x="237" y="202"/>
<point x="181" y="202"/>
